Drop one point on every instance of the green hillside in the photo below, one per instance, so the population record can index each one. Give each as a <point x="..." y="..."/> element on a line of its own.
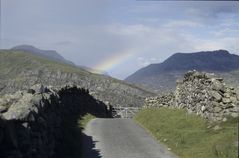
<point x="21" y="70"/>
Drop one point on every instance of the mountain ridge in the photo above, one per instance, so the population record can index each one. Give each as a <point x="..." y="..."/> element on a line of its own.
<point x="21" y="70"/>
<point x="50" y="54"/>
<point x="154" y="75"/>
<point x="53" y="55"/>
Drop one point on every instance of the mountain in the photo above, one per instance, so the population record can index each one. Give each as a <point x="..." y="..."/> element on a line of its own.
<point x="96" y="71"/>
<point x="162" y="76"/>
<point x="53" y="55"/>
<point x="20" y="70"/>
<point x="50" y="54"/>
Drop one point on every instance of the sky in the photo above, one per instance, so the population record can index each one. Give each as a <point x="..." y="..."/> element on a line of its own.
<point x="122" y="36"/>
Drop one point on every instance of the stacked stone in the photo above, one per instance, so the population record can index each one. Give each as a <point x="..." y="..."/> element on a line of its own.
<point x="32" y="122"/>
<point x="207" y="96"/>
<point x="166" y="100"/>
<point x="203" y="94"/>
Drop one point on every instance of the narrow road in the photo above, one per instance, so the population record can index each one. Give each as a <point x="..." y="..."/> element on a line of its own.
<point x="120" y="138"/>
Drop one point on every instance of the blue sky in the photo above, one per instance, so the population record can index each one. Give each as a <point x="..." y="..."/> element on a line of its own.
<point x="91" y="32"/>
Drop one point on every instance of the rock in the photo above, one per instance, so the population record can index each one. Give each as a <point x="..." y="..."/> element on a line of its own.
<point x="226" y="100"/>
<point x="219" y="79"/>
<point x="217" y="127"/>
<point x="217" y="109"/>
<point x="20" y="109"/>
<point x="203" y="108"/>
<point x="32" y="91"/>
<point x="202" y="94"/>
<point x="3" y="109"/>
<point x="165" y="140"/>
<point x="226" y="95"/>
<point x="234" y="115"/>
<point x="216" y="95"/>
<point x="233" y="99"/>
<point x="29" y="130"/>
<point x="224" y="119"/>
<point x="217" y="85"/>
<point x="38" y="88"/>
<point x="215" y="104"/>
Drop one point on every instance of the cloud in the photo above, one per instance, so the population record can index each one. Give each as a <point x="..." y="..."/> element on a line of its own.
<point x="62" y="43"/>
<point x="146" y="61"/>
<point x="90" y="32"/>
<point x="209" y="12"/>
<point x="182" y="23"/>
<point x="228" y="43"/>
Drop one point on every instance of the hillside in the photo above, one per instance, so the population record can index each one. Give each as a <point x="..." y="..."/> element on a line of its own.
<point x="53" y="55"/>
<point x="50" y="54"/>
<point x="190" y="136"/>
<point x="162" y="76"/>
<point x="20" y="70"/>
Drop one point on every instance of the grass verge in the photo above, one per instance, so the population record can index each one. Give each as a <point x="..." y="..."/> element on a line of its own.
<point x="84" y="120"/>
<point x="190" y="136"/>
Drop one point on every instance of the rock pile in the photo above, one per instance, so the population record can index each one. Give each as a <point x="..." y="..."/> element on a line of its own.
<point x="32" y="122"/>
<point x="203" y="94"/>
<point x="166" y="100"/>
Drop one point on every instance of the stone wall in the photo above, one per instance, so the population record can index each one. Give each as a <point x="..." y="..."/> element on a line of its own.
<point x="32" y="122"/>
<point x="203" y="94"/>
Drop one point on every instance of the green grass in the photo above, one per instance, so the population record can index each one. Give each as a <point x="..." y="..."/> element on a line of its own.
<point x="190" y="136"/>
<point x="85" y="119"/>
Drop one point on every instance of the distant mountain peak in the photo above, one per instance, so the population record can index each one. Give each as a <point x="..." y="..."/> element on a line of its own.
<point x="212" y="61"/>
<point x="27" y="47"/>
<point x="50" y="54"/>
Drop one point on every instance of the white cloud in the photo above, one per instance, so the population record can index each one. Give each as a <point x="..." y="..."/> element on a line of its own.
<point x="142" y="62"/>
<point x="230" y="44"/>
<point x="182" y="23"/>
<point x="90" y="32"/>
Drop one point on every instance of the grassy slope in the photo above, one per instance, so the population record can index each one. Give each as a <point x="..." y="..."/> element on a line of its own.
<point x="13" y="61"/>
<point x="188" y="135"/>
<point x="84" y="120"/>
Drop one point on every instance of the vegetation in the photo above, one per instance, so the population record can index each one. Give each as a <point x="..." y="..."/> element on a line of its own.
<point x="191" y="136"/>
<point x="14" y="63"/>
<point x="85" y="119"/>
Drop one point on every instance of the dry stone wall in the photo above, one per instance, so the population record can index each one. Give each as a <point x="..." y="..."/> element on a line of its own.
<point x="203" y="94"/>
<point x="32" y="122"/>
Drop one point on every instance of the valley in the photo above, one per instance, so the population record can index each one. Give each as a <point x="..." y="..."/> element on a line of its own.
<point x="33" y="86"/>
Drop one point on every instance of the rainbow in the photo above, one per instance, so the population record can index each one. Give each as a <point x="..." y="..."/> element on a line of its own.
<point x="114" y="60"/>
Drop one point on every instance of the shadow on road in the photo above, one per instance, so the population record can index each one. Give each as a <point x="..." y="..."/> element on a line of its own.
<point x="88" y="147"/>
<point x="75" y="144"/>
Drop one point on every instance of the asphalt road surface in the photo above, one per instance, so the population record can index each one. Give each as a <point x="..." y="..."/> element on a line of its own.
<point x="120" y="138"/>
